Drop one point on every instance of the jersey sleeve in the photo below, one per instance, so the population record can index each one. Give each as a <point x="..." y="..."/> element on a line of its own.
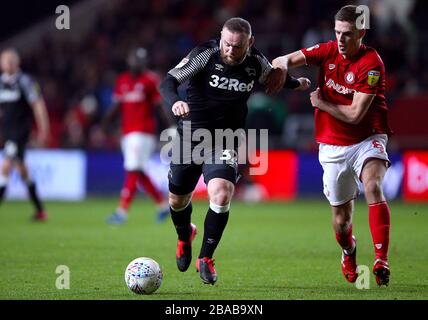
<point x="265" y="65"/>
<point x="193" y="63"/>
<point x="370" y="75"/>
<point x="316" y="54"/>
<point x="30" y="88"/>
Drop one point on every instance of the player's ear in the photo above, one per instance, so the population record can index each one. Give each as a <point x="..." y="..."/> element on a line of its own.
<point x="251" y="41"/>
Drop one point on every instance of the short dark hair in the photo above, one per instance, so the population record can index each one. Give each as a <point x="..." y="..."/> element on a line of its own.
<point x="239" y="25"/>
<point x="348" y="14"/>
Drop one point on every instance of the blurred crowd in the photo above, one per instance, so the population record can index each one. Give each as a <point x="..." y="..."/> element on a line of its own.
<point x="77" y="78"/>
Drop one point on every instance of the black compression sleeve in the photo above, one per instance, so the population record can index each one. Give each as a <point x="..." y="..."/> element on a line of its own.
<point x="168" y="90"/>
<point x="291" y="82"/>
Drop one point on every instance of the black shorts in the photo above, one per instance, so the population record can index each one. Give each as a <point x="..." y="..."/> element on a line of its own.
<point x="14" y="148"/>
<point x="183" y="177"/>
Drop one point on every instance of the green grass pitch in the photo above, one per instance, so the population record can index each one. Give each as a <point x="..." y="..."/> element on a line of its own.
<point x="268" y="251"/>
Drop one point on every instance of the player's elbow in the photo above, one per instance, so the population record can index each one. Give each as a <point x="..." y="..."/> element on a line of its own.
<point x="355" y="118"/>
<point x="168" y="89"/>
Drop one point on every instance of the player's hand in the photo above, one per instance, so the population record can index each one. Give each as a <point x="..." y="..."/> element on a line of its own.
<point x="316" y="98"/>
<point x="275" y="80"/>
<point x="180" y="109"/>
<point x="305" y="84"/>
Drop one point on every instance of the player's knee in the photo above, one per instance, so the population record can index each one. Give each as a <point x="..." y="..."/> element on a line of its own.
<point x="221" y="193"/>
<point x="342" y="223"/>
<point x="178" y="202"/>
<point x="373" y="188"/>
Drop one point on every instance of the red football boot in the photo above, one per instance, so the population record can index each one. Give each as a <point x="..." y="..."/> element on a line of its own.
<point x="382" y="272"/>
<point x="349" y="264"/>
<point x="183" y="255"/>
<point x="205" y="267"/>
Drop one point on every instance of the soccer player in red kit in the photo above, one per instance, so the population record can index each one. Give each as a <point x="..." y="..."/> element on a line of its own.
<point x="352" y="131"/>
<point x="136" y="97"/>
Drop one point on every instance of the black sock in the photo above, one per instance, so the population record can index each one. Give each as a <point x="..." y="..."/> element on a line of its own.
<point x="2" y="192"/>
<point x="181" y="222"/>
<point x="214" y="225"/>
<point x="33" y="196"/>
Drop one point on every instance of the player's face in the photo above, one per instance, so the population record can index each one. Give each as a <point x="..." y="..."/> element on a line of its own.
<point x="348" y="37"/>
<point x="234" y="46"/>
<point x="135" y="64"/>
<point x="9" y="62"/>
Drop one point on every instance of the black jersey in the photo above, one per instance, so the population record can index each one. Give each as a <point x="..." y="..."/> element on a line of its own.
<point x="17" y="93"/>
<point x="217" y="93"/>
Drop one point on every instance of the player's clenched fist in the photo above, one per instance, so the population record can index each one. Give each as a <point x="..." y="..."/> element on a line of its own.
<point x="275" y="80"/>
<point x="305" y="84"/>
<point x="180" y="108"/>
<point x="316" y="97"/>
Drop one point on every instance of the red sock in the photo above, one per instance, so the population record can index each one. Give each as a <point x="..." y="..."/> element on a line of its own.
<point x="344" y="238"/>
<point x="379" y="220"/>
<point x="128" y="190"/>
<point x="150" y="188"/>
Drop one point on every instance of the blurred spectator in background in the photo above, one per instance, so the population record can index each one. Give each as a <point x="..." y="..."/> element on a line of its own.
<point x="136" y="98"/>
<point x="20" y="100"/>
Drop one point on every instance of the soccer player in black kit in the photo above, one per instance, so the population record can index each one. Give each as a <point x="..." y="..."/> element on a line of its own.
<point x="221" y="75"/>
<point x="20" y="99"/>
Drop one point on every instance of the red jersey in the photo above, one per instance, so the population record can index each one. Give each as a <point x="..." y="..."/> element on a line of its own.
<point x="138" y="98"/>
<point x="338" y="80"/>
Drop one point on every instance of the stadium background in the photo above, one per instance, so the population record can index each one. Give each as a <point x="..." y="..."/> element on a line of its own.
<point x="293" y="245"/>
<point x="77" y="68"/>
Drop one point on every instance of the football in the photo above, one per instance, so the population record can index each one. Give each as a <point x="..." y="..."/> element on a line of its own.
<point x="143" y="275"/>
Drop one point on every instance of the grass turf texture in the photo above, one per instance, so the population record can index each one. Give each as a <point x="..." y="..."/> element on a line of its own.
<point x="268" y="251"/>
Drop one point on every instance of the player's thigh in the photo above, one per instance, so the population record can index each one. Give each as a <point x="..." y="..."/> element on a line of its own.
<point x="147" y="147"/>
<point x="221" y="164"/>
<point x="340" y="184"/>
<point x="136" y="149"/>
<point x="373" y="148"/>
<point x="183" y="178"/>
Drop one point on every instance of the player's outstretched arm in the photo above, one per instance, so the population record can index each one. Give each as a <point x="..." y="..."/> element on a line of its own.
<point x="352" y="114"/>
<point x="279" y="78"/>
<point x="291" y="60"/>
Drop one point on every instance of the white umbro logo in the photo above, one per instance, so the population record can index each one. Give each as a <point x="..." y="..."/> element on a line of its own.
<point x="378" y="246"/>
<point x="250" y="71"/>
<point x="331" y="66"/>
<point x="219" y="67"/>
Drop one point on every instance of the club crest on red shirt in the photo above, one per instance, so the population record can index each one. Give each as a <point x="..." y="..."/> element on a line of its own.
<point x="349" y="77"/>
